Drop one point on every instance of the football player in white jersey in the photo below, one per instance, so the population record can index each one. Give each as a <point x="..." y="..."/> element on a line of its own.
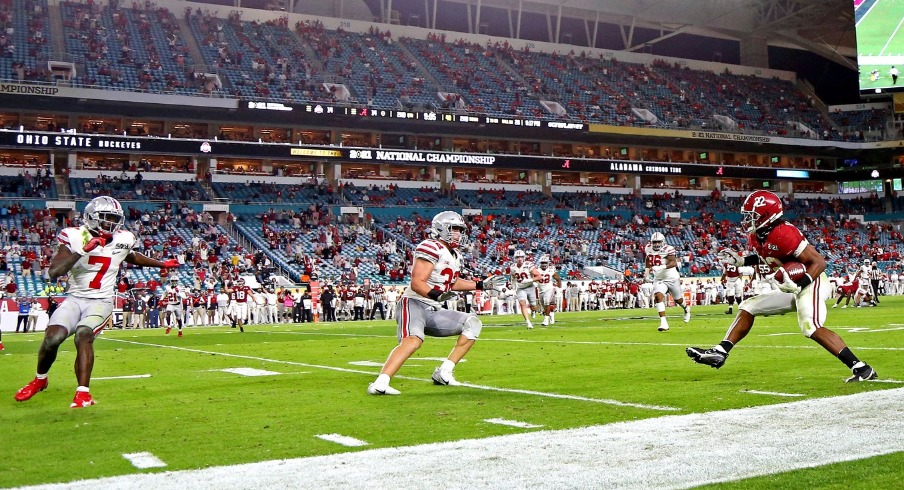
<point x="547" y="279"/>
<point x="434" y="279"/>
<point x="523" y="280"/>
<point x="91" y="254"/>
<point x="662" y="266"/>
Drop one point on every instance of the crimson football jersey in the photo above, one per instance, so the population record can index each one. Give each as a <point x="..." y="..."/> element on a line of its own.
<point x="783" y="243"/>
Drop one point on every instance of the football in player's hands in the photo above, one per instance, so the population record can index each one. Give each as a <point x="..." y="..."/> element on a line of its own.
<point x="793" y="270"/>
<point x="446" y="296"/>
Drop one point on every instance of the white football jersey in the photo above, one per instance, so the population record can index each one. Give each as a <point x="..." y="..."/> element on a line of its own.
<point x="446" y="269"/>
<point x="865" y="272"/>
<point x="94" y="275"/>
<point x="654" y="258"/>
<point x="521" y="276"/>
<point x="547" y="281"/>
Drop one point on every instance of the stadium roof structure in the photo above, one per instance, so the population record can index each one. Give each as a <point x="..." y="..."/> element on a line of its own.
<point x="825" y="27"/>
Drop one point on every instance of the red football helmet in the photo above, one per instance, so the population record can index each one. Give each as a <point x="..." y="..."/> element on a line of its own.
<point x="760" y="209"/>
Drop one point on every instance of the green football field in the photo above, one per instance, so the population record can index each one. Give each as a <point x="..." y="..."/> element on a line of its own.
<point x="880" y="43"/>
<point x="171" y="397"/>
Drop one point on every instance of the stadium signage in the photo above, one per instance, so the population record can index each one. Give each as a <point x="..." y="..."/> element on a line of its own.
<point x="421" y="157"/>
<point x="11" y="88"/>
<point x="644" y="168"/>
<point x="743" y="138"/>
<point x="75" y="141"/>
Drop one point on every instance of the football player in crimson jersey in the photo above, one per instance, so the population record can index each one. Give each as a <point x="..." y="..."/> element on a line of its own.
<point x="434" y="279"/>
<point x="91" y="254"/>
<point x="775" y="242"/>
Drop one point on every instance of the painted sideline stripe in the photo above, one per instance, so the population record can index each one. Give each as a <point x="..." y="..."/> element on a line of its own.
<point x="131" y="376"/>
<point x="249" y="371"/>
<point x="371" y="373"/>
<point x="580" y="342"/>
<point x="144" y="460"/>
<point x="513" y="423"/>
<point x="678" y="451"/>
<point x="773" y="393"/>
<point x="341" y="439"/>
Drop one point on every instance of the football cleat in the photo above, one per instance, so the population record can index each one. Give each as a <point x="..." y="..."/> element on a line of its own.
<point x="31" y="389"/>
<point x="445" y="379"/>
<point x="710" y="357"/>
<point x="729" y="311"/>
<point x="82" y="399"/>
<point x="663" y="327"/>
<point x="180" y="333"/>
<point x="687" y="315"/>
<point x="387" y="390"/>
<point x="863" y="373"/>
<point x="530" y="325"/>
<point x="168" y="330"/>
<point x="545" y="322"/>
<point x="1" y="346"/>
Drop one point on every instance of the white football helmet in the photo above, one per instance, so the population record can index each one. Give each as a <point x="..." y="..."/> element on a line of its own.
<point x="657" y="241"/>
<point x="446" y="224"/>
<point x="104" y="214"/>
<point x="543" y="262"/>
<point x="519" y="256"/>
<point x="240" y="282"/>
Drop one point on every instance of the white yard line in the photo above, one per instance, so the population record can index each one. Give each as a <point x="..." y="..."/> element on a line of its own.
<point x="890" y="38"/>
<point x="680" y="451"/>
<point x="342" y="440"/>
<point x="773" y="393"/>
<point x="131" y="376"/>
<point x="243" y="371"/>
<point x="144" y="461"/>
<point x="604" y="401"/>
<point x="513" y="423"/>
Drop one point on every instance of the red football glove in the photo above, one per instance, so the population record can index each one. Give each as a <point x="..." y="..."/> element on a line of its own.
<point x="98" y="241"/>
<point x="171" y="263"/>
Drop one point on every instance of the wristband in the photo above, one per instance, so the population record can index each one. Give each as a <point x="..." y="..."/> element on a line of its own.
<point x="479" y="285"/>
<point x="434" y="294"/>
<point x="804" y="281"/>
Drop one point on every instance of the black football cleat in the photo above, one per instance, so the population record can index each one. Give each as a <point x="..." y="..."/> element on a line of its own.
<point x="863" y="373"/>
<point x="710" y="357"/>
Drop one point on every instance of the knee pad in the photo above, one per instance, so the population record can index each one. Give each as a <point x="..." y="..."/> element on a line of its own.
<point x="472" y="327"/>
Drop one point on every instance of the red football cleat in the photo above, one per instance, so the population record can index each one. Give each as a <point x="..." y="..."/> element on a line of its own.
<point x="167" y="330"/>
<point x="82" y="399"/>
<point x="180" y="333"/>
<point x="31" y="389"/>
<point x="1" y="345"/>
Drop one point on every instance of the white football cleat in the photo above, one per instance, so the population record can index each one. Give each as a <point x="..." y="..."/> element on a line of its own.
<point x="687" y="315"/>
<point x="545" y="322"/>
<point x="663" y="327"/>
<point x="388" y="390"/>
<point x="446" y="379"/>
<point x="530" y="325"/>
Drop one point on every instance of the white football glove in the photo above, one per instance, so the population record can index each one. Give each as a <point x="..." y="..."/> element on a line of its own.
<point x="786" y="285"/>
<point x="494" y="283"/>
<point x="446" y="296"/>
<point x="730" y="257"/>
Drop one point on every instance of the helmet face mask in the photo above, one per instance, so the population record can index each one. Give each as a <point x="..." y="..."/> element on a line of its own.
<point x="104" y="215"/>
<point x="449" y="227"/>
<point x="657" y="241"/>
<point x="760" y="210"/>
<point x="544" y="262"/>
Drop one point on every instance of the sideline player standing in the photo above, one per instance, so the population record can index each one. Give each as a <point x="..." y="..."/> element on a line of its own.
<point x="91" y="254"/>
<point x="522" y="278"/>
<point x="547" y="279"/>
<point x="434" y="279"/>
<point x="662" y="266"/>
<point x="774" y="241"/>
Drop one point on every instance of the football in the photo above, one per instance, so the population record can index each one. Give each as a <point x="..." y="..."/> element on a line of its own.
<point x="795" y="271"/>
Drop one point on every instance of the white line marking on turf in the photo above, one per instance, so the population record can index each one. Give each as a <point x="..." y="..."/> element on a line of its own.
<point x="366" y="363"/>
<point x="143" y="461"/>
<point x="341" y="439"/>
<point x="678" y="451"/>
<point x="773" y="393"/>
<point x="249" y="372"/>
<point x="370" y="373"/>
<point x="893" y="381"/>
<point x="131" y="376"/>
<point x="513" y="423"/>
